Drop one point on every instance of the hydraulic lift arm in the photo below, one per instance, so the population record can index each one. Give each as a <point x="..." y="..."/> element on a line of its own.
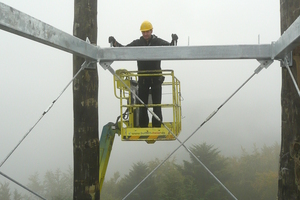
<point x="106" y="142"/>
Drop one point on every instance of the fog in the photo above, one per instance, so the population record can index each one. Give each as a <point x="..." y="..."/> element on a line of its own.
<point x="33" y="75"/>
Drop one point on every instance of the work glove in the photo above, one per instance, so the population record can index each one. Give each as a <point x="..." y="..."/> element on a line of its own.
<point x="111" y="40"/>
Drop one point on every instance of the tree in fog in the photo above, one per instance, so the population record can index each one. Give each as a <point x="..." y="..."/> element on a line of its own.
<point x="168" y="180"/>
<point x="254" y="175"/>
<point x="4" y="191"/>
<point x="198" y="182"/>
<point x="146" y="191"/>
<point x="110" y="188"/>
<point x="58" y="185"/>
<point x="35" y="184"/>
<point x="17" y="195"/>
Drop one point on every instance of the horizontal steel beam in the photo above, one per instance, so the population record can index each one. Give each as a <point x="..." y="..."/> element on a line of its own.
<point x="16" y="22"/>
<point x="24" y="25"/>
<point x="260" y="52"/>
<point x="288" y="41"/>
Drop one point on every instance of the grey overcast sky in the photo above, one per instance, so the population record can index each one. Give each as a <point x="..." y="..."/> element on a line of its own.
<point x="33" y="75"/>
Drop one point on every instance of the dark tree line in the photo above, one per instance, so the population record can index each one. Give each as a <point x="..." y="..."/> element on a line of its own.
<point x="56" y="185"/>
<point x="250" y="176"/>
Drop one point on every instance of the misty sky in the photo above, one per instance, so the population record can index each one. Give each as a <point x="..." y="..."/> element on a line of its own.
<point x="33" y="75"/>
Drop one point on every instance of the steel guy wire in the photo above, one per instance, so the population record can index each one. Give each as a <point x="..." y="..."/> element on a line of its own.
<point x="21" y="185"/>
<point x="264" y="64"/>
<point x="293" y="78"/>
<point x="190" y="152"/>
<point x="117" y="76"/>
<point x="44" y="113"/>
<point x="182" y="144"/>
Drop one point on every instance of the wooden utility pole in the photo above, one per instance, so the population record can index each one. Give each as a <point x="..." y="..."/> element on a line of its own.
<point x="289" y="171"/>
<point x="85" y="105"/>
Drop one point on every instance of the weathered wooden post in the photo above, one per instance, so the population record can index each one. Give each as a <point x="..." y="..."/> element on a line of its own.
<point x="289" y="171"/>
<point x="85" y="105"/>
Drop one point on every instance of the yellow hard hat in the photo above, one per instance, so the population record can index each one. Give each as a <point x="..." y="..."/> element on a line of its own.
<point x="146" y="26"/>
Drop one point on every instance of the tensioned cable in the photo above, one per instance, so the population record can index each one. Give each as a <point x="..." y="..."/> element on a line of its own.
<point x="44" y="113"/>
<point x="264" y="64"/>
<point x="22" y="186"/>
<point x="291" y="74"/>
<point x="182" y="143"/>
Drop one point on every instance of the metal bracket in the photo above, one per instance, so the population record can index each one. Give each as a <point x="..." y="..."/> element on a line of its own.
<point x="263" y="64"/>
<point x="88" y="64"/>
<point x="289" y="59"/>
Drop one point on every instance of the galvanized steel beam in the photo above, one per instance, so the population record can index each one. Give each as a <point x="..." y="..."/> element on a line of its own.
<point x="260" y="52"/>
<point x="288" y="41"/>
<point x="19" y="23"/>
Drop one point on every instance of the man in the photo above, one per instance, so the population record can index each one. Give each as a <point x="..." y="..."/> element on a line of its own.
<point x="147" y="82"/>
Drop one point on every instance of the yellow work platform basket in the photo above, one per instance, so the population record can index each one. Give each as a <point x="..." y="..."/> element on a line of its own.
<point x="129" y="106"/>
